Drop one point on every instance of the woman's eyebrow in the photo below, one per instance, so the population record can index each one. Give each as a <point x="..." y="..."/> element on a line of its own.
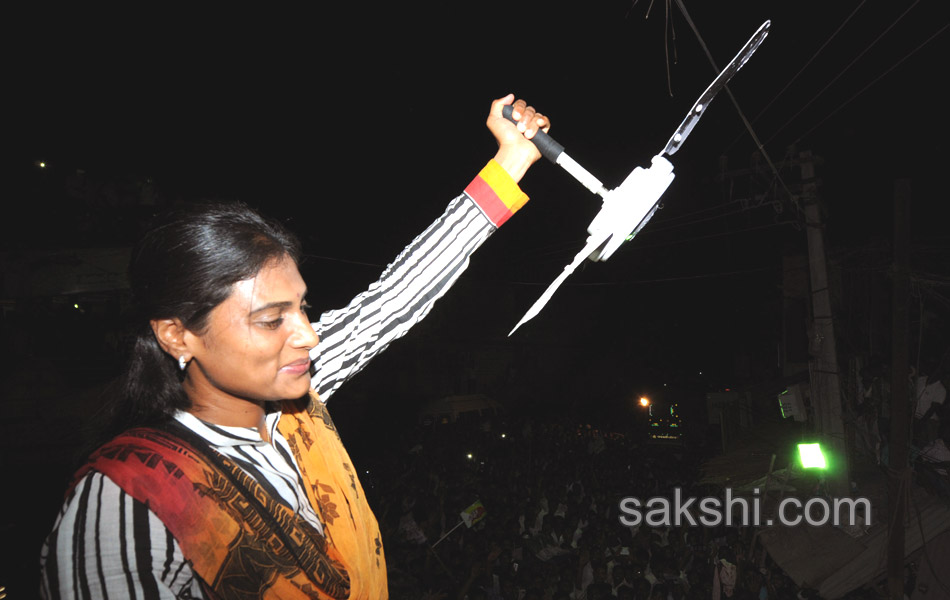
<point x="280" y="305"/>
<point x="271" y="305"/>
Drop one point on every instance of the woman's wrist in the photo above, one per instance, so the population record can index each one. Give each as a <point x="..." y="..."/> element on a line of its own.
<point x="514" y="161"/>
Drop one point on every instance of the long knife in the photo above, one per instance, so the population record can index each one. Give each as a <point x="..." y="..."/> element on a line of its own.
<point x="628" y="208"/>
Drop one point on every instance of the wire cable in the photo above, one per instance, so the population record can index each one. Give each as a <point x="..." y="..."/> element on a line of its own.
<point x="557" y="256"/>
<point x="865" y="88"/>
<point x="815" y="97"/>
<point x="745" y="121"/>
<point x="800" y="71"/>
<point x="703" y="220"/>
<point x="641" y="281"/>
<point x="711" y="235"/>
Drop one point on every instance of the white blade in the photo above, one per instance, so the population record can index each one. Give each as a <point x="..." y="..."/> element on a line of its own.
<point x="593" y="243"/>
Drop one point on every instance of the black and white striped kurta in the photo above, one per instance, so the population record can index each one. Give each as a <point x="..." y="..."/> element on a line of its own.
<point x="107" y="545"/>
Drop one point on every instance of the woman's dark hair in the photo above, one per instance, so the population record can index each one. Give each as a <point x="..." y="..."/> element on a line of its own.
<point x="185" y="265"/>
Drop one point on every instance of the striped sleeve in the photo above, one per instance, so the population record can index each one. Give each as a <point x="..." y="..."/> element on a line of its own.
<point x="406" y="291"/>
<point x="107" y="545"/>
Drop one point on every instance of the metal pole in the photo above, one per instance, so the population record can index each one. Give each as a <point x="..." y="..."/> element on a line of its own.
<point x="826" y="392"/>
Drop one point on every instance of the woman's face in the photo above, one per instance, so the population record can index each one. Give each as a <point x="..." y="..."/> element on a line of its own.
<point x="256" y="345"/>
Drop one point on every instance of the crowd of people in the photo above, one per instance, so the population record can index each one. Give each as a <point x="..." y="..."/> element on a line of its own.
<point x="551" y="530"/>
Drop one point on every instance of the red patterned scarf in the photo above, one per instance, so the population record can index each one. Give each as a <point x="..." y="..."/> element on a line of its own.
<point x="241" y="542"/>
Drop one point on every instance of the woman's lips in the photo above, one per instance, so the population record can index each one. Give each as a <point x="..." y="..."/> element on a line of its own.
<point x="298" y="367"/>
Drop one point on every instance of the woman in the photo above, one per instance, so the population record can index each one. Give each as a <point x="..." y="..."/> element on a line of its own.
<point x="226" y="477"/>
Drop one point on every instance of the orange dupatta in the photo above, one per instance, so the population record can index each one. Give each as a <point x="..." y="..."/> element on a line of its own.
<point x="334" y="490"/>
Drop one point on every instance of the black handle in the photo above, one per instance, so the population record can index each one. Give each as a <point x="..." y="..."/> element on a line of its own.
<point x="550" y="149"/>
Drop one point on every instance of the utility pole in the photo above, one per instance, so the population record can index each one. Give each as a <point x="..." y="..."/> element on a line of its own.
<point x="825" y="386"/>
<point x="898" y="473"/>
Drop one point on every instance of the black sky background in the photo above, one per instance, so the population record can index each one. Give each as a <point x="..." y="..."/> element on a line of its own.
<point x="356" y="123"/>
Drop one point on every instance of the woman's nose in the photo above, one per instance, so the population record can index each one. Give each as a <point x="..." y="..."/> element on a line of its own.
<point x="305" y="336"/>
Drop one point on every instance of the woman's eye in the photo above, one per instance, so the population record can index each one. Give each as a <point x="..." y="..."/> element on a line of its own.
<point x="275" y="324"/>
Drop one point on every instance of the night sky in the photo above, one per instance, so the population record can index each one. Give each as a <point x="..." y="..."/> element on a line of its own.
<point x="356" y="124"/>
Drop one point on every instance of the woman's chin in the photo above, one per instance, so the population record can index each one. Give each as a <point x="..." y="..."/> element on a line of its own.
<point x="296" y="392"/>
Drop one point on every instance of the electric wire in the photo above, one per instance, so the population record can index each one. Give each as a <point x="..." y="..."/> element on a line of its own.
<point x="681" y="278"/>
<point x="666" y="45"/>
<point x="865" y="88"/>
<point x="776" y="176"/>
<point x="712" y="235"/>
<point x="641" y="281"/>
<point x="867" y="48"/>
<point x="800" y="71"/>
<point x="668" y="28"/>
<point x="557" y="256"/>
<point x="702" y="210"/>
<point x="698" y="221"/>
<point x="745" y="121"/>
<point x="559" y="250"/>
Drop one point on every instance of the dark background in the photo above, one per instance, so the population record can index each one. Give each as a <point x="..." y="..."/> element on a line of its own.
<point x="357" y="123"/>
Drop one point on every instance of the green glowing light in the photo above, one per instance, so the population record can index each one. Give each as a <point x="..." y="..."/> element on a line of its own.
<point x="812" y="456"/>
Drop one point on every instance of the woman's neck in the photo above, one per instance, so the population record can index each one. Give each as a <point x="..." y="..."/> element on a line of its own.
<point x="218" y="408"/>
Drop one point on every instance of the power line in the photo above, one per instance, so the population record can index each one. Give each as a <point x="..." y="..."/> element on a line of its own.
<point x="682" y="278"/>
<point x="814" y="97"/>
<point x="713" y="235"/>
<point x="800" y="71"/>
<point x="705" y="219"/>
<point x="735" y="103"/>
<point x="664" y="225"/>
<point x="657" y="280"/>
<point x="567" y="252"/>
<point x="706" y="210"/>
<point x="878" y="78"/>
<point x="568" y="247"/>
